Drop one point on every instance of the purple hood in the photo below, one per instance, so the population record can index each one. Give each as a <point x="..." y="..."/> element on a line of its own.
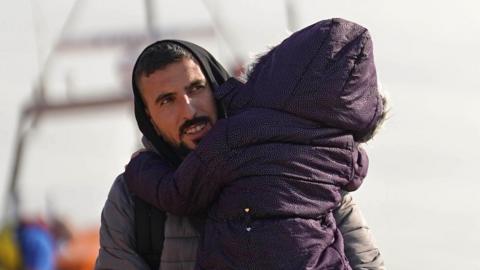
<point x="332" y="81"/>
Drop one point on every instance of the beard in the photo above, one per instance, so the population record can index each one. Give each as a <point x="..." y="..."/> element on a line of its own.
<point x="182" y="150"/>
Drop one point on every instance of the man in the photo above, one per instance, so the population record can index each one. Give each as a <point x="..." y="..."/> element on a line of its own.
<point x="175" y="108"/>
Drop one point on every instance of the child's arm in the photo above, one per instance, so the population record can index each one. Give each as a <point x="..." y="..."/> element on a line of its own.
<point x="190" y="188"/>
<point x="153" y="180"/>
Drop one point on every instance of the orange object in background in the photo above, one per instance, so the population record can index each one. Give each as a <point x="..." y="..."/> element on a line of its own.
<point x="80" y="251"/>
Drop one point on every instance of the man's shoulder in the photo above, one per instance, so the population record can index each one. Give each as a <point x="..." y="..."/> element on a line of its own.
<point x="119" y="189"/>
<point x="120" y="200"/>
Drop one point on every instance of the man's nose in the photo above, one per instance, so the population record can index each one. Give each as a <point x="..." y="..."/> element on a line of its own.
<point x="188" y="107"/>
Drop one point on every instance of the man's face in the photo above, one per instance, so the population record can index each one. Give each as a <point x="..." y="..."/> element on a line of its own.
<point x="180" y="103"/>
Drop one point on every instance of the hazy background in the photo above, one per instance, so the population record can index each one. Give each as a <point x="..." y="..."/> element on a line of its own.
<point x="420" y="197"/>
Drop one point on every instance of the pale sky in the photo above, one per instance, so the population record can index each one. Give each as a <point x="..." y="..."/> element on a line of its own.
<point x="420" y="196"/>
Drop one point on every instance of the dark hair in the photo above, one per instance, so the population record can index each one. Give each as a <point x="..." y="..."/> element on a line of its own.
<point x="158" y="56"/>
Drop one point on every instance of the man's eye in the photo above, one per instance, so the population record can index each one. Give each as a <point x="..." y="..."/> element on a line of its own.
<point x="198" y="87"/>
<point x="166" y="101"/>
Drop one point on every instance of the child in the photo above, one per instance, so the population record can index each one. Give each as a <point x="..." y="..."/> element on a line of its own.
<point x="270" y="175"/>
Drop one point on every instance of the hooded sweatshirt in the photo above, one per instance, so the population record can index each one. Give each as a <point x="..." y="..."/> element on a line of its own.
<point x="271" y="174"/>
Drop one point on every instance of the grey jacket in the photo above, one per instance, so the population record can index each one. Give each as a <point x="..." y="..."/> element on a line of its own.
<point x="117" y="237"/>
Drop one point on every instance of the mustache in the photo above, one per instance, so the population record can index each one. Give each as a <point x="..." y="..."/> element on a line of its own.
<point x="193" y="121"/>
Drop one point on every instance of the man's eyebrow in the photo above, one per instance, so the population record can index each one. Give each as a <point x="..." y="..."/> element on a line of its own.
<point x="195" y="83"/>
<point x="162" y="96"/>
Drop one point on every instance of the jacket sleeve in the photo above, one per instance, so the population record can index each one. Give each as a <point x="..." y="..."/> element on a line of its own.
<point x="117" y="234"/>
<point x="188" y="189"/>
<point x="360" y="247"/>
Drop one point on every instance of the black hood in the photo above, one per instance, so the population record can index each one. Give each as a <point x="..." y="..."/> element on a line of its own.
<point x="213" y="71"/>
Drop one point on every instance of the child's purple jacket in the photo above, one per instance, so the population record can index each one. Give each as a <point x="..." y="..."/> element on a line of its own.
<point x="270" y="175"/>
